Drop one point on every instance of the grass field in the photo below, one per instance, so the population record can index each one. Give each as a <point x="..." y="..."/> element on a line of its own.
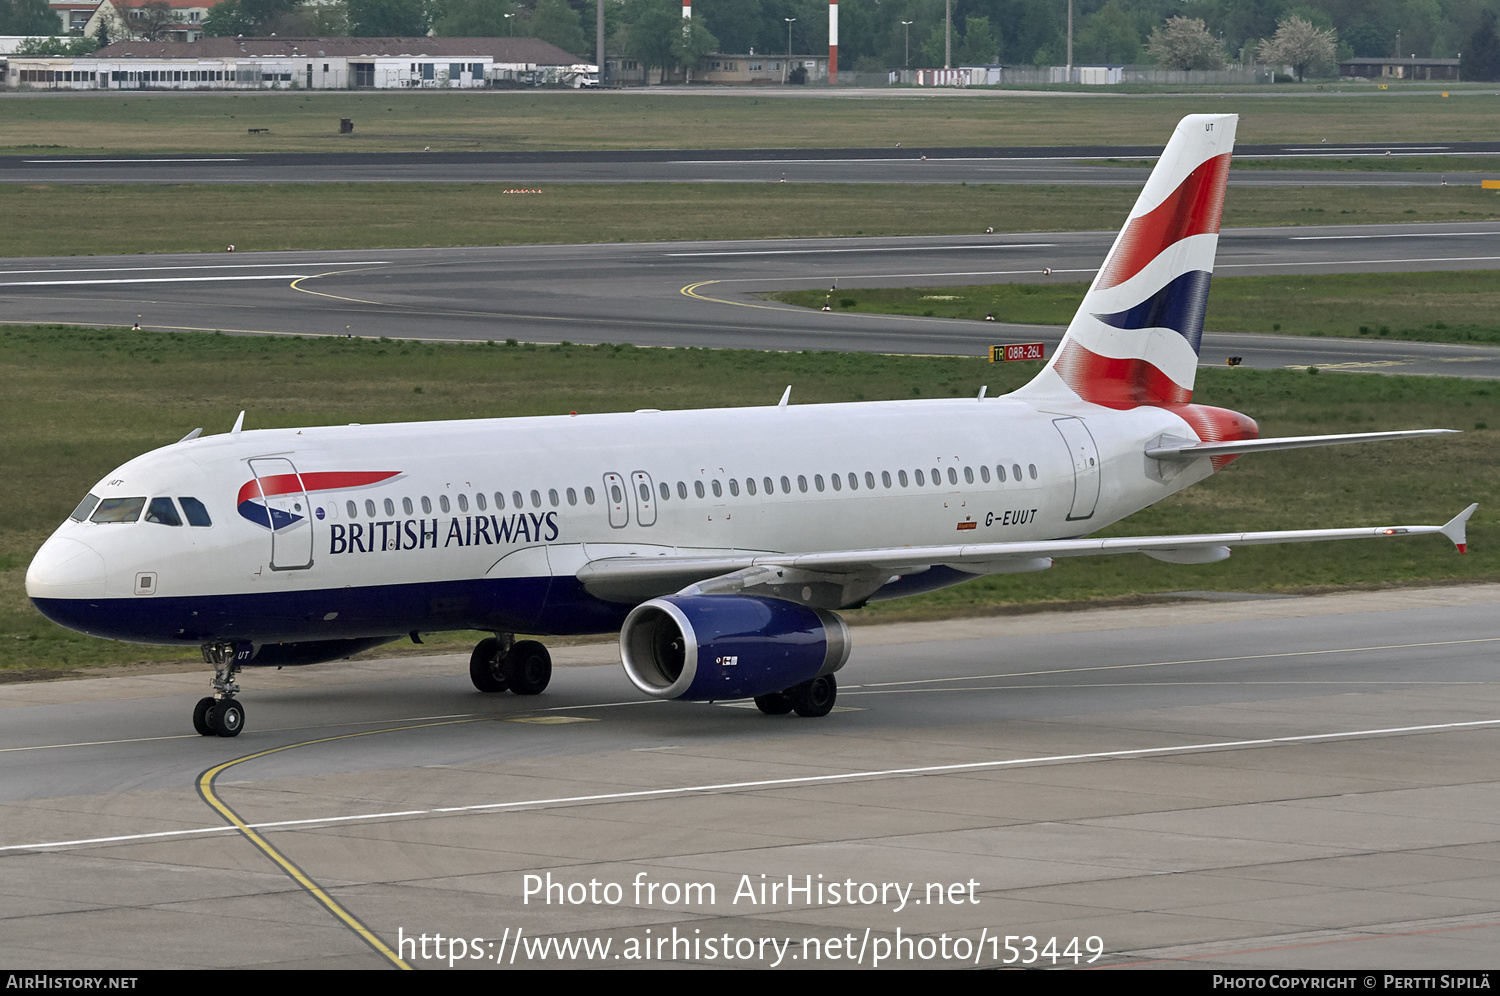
<point x="53" y="220"/>
<point x="519" y="120"/>
<point x="80" y="402"/>
<point x="1462" y="306"/>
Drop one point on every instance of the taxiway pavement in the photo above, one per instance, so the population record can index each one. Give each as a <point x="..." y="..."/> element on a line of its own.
<point x="707" y="293"/>
<point x="1300" y="782"/>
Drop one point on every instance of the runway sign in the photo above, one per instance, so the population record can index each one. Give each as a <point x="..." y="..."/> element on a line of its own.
<point x="1018" y="351"/>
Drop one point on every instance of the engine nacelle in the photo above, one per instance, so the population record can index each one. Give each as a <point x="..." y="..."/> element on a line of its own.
<point x="702" y="647"/>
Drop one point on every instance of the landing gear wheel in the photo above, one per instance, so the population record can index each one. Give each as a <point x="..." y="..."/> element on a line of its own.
<point x="203" y="717"/>
<point x="528" y="668"/>
<point x="229" y="718"/>
<point x="487" y="666"/>
<point x="775" y="704"/>
<point x="814" y="698"/>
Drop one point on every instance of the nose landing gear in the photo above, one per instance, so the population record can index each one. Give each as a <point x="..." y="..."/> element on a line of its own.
<point x="220" y="714"/>
<point x="499" y="663"/>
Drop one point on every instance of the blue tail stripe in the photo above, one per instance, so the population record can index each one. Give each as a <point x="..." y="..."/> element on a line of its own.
<point x="1178" y="306"/>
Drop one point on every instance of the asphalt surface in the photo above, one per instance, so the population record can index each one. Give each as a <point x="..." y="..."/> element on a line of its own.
<point x="1021" y="165"/>
<point x="1275" y="783"/>
<point x="705" y="294"/>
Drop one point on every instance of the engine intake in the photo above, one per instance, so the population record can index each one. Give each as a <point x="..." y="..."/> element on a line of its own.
<point x="703" y="647"/>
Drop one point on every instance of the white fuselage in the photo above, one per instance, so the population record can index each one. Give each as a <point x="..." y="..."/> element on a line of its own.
<point x="445" y="514"/>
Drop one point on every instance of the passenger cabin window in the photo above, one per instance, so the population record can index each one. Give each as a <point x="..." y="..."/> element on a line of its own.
<point x="118" y="510"/>
<point x="84" y="507"/>
<point x="196" y="514"/>
<point x="162" y="512"/>
<point x="573" y="496"/>
<point x="406" y="506"/>
<point x="698" y="488"/>
<point x="463" y="503"/>
<point x="390" y="507"/>
<point x="682" y="490"/>
<point x="479" y="500"/>
<point x="517" y="500"/>
<point x="499" y="499"/>
<point x="370" y="507"/>
<point x="353" y="509"/>
<point x="588" y="495"/>
<point x="443" y="503"/>
<point x="426" y="505"/>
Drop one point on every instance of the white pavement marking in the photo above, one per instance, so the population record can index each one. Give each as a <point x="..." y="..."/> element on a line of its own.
<point x="769" y="783"/>
<point x="816" y="252"/>
<point x="192" y="266"/>
<point x="1398" y="235"/>
<point x="153" y="280"/>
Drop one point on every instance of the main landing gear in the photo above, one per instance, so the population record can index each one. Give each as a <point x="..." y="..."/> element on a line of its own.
<point x="500" y="663"/>
<point x="220" y="715"/>
<point x="811" y="698"/>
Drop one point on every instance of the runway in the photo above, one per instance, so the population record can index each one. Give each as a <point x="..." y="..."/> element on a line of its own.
<point x="706" y="294"/>
<point x="1289" y="783"/>
<point x="1066" y="165"/>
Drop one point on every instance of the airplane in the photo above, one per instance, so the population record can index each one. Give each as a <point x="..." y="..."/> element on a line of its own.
<point x="721" y="544"/>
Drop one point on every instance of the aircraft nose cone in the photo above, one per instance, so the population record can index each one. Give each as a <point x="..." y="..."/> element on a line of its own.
<point x="65" y="568"/>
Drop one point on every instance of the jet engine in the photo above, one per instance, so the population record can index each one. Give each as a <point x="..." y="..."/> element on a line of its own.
<point x="702" y="647"/>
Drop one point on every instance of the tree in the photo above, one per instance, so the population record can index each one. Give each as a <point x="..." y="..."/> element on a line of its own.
<point x="1481" y="54"/>
<point x="28" y="17"/>
<point x="556" y="22"/>
<point x="1297" y="43"/>
<point x="74" y="45"/>
<point x="692" y="43"/>
<point x="1108" y="37"/>
<point x="474" y="19"/>
<point x="981" y="45"/>
<point x="152" y="19"/>
<point x="229" y="18"/>
<point x="1185" y="43"/>
<point x="387" y="18"/>
<point x="650" y="29"/>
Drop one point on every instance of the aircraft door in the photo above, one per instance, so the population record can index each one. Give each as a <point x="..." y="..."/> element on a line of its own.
<point x="1085" y="456"/>
<point x="288" y="513"/>
<point x="616" y="499"/>
<point x="645" y="501"/>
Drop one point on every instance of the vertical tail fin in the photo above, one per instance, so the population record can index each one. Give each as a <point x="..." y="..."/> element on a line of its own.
<point x="1135" y="338"/>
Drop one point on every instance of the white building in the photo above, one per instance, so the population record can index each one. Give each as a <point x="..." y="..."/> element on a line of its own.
<point x="299" y="63"/>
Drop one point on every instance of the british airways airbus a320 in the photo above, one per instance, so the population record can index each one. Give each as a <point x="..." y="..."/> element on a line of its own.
<point x="719" y="543"/>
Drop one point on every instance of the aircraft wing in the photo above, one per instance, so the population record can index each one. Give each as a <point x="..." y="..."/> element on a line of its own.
<point x="839" y="577"/>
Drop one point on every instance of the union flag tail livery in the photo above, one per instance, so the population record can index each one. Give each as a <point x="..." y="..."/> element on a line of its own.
<point x="1135" y="338"/>
<point x="720" y="544"/>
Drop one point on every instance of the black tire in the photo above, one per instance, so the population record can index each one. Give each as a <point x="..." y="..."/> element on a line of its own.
<point x="487" y="666"/>
<point x="814" y="698"/>
<point x="775" y="704"/>
<point x="229" y="718"/>
<point x="528" y="668"/>
<point x="203" y="717"/>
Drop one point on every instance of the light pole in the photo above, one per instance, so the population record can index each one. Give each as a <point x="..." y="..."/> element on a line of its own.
<point x="510" y="26"/>
<point x="785" y="72"/>
<point x="906" y="25"/>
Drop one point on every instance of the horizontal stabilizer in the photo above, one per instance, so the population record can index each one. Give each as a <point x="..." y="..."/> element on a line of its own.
<point x="1188" y="449"/>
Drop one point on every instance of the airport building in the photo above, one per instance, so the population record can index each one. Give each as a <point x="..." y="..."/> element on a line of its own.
<point x="303" y="63"/>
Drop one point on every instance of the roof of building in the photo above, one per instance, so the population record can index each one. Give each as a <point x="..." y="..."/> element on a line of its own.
<point x="532" y="51"/>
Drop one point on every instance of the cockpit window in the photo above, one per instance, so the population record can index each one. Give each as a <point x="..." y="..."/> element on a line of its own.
<point x="163" y="512"/>
<point x="196" y="514"/>
<point x="84" y="507"/>
<point x="118" y="510"/>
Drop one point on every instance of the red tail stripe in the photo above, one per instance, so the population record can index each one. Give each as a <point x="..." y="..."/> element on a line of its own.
<point x="330" y="480"/>
<point x="1193" y="208"/>
<point x="1116" y="383"/>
